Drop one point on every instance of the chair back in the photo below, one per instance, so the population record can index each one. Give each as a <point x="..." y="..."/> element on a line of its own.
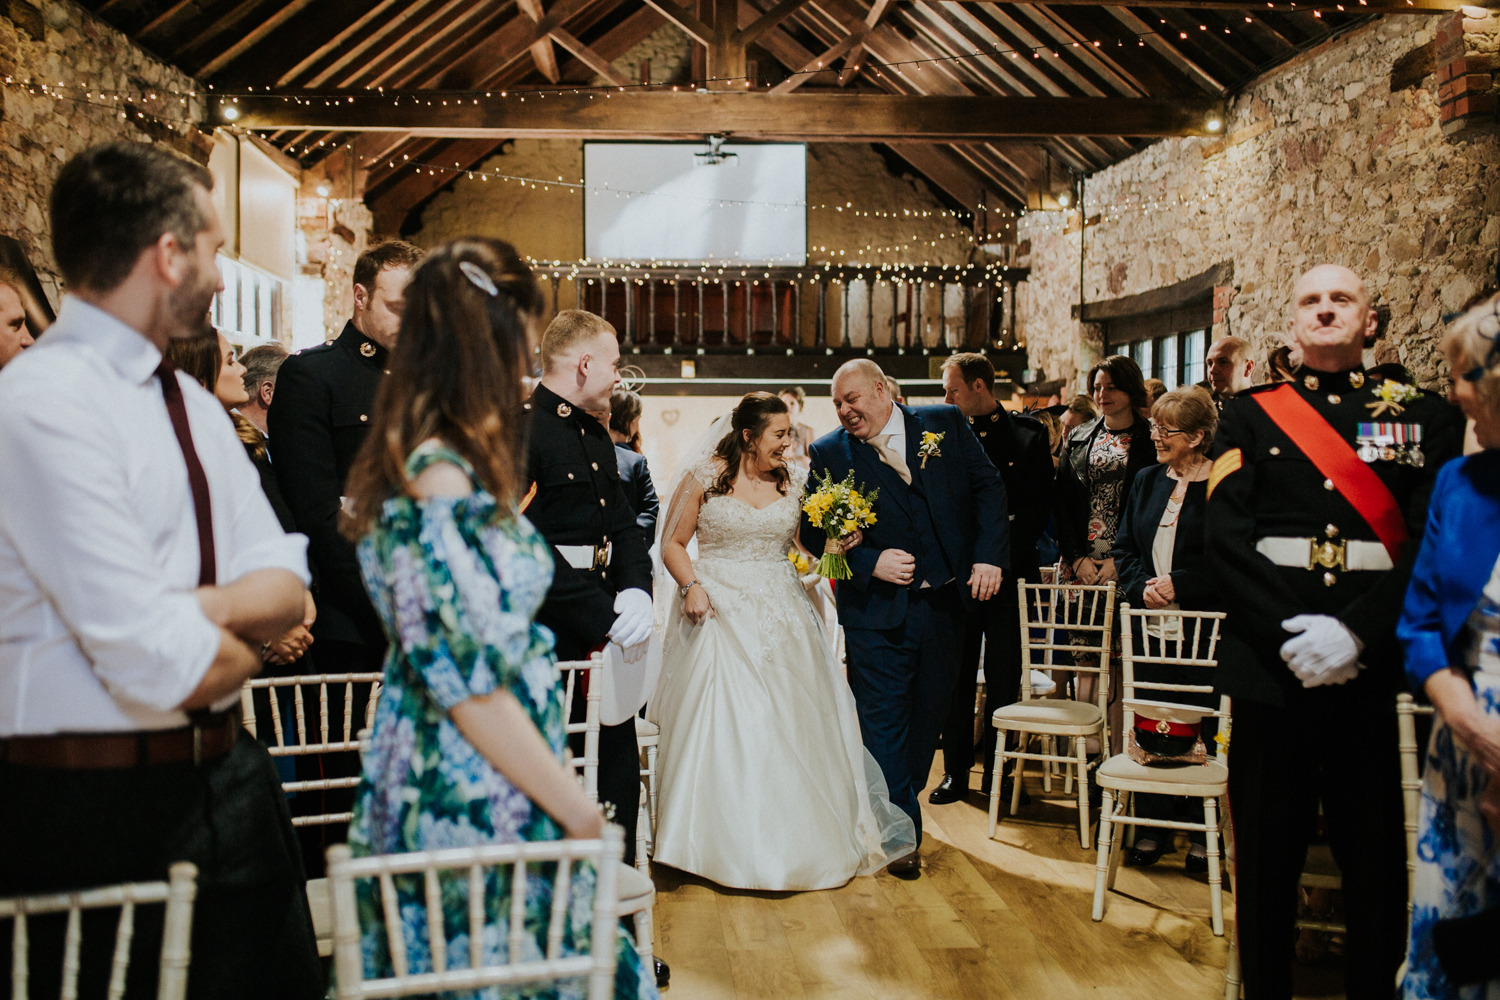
<point x="330" y="736"/>
<point x="1074" y="619"/>
<point x="178" y="893"/>
<point x="579" y="675"/>
<point x="1171" y="638"/>
<point x="1407" y="711"/>
<point x="598" y="965"/>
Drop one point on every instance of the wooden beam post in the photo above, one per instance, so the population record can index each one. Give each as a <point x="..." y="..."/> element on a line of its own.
<point x="541" y="49"/>
<point x="726" y="53"/>
<point x="857" y="54"/>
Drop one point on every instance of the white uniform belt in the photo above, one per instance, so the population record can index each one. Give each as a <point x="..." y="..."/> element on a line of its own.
<point x="587" y="557"/>
<point x="1311" y="553"/>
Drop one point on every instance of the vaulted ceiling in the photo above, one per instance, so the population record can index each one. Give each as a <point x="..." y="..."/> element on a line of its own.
<point x="1195" y="55"/>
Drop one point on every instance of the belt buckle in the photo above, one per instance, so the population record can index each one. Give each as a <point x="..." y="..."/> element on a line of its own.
<point x="1328" y="554"/>
<point x="601" y="557"/>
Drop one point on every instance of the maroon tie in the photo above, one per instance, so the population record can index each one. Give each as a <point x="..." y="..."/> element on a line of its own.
<point x="197" y="481"/>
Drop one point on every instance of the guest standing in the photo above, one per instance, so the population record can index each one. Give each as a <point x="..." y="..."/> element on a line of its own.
<point x="143" y="568"/>
<point x="15" y="336"/>
<point x="1231" y="369"/>
<point x="635" y="476"/>
<point x="795" y="398"/>
<point x="262" y="365"/>
<point x="1160" y="558"/>
<point x="467" y="747"/>
<point x="1312" y="553"/>
<point x="1450" y="655"/>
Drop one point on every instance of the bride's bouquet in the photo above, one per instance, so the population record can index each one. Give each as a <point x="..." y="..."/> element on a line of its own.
<point x="839" y="509"/>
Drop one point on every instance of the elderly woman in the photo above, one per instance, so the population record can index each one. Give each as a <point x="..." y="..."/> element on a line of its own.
<point x="1159" y="555"/>
<point x="1450" y="630"/>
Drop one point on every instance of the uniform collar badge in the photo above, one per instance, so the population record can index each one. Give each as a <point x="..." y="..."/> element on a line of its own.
<point x="1311" y="381"/>
<point x="1357" y="380"/>
<point x="564" y="410"/>
<point x="367" y="349"/>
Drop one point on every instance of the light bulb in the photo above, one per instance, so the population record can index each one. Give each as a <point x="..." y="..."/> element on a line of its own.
<point x="1065" y="199"/>
<point x="1214" y="124"/>
<point x="231" y="112"/>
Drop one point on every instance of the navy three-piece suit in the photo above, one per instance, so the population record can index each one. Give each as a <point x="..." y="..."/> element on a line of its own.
<point x="904" y="641"/>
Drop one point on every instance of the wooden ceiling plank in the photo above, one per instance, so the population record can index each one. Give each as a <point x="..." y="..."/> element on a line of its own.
<point x="751" y="33"/>
<point x="1213" y="48"/>
<point x="817" y="64"/>
<point x="362" y="49"/>
<point x="822" y="116"/>
<point x="230" y="20"/>
<point x="391" y="207"/>
<point x="1129" y="53"/>
<point x="996" y="37"/>
<point x="410" y="48"/>
<point x="287" y="55"/>
<point x="487" y="60"/>
<point x="889" y="46"/>
<point x="1003" y="73"/>
<point x="482" y="21"/>
<point x="1421" y="8"/>
<point x="1094" y="56"/>
<point x="1030" y="38"/>
<point x="591" y="58"/>
<point x="614" y="43"/>
<point x="1206" y="81"/>
<point x="697" y="30"/>
<point x="256" y="35"/>
<point x="945" y="169"/>
<point x="178" y="10"/>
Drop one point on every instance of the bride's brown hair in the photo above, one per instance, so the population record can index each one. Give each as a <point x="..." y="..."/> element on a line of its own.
<point x="455" y="375"/>
<point x="753" y="413"/>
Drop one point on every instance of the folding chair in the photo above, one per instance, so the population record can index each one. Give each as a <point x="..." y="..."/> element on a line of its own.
<point x="328" y="740"/>
<point x="1083" y="612"/>
<point x="470" y="864"/>
<point x="1188" y="639"/>
<point x="178" y="893"/>
<point x="637" y="894"/>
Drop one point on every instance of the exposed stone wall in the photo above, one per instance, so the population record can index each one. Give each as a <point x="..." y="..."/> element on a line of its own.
<point x="1321" y="161"/>
<point x="62" y="45"/>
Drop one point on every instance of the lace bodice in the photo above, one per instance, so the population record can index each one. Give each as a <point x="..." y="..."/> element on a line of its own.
<point x="732" y="529"/>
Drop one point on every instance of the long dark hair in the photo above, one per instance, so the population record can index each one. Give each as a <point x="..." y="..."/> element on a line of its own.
<point x="455" y="374"/>
<point x="198" y="356"/>
<point x="1126" y="376"/>
<point x="753" y="413"/>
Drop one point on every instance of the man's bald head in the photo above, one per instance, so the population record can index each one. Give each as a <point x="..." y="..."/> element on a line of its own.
<point x="1331" y="317"/>
<point x="1229" y="366"/>
<point x="862" y="398"/>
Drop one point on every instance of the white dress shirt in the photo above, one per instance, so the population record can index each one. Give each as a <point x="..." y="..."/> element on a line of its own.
<point x="99" y="627"/>
<point x="895" y="431"/>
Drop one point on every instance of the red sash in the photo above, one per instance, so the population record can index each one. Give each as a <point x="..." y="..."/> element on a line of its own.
<point x="1337" y="461"/>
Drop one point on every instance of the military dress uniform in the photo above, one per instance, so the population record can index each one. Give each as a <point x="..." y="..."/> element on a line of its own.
<point x="319" y="415"/>
<point x="1284" y="539"/>
<point x="1018" y="446"/>
<point x="577" y="503"/>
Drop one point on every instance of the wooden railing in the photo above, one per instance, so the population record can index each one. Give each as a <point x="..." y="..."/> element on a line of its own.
<point x="796" y="310"/>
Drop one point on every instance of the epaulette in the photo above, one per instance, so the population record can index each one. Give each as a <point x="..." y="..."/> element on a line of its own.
<point x="319" y="349"/>
<point x="1263" y="387"/>
<point x="1024" y="418"/>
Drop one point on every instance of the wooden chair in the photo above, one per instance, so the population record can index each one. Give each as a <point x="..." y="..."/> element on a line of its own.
<point x="1191" y="640"/>
<point x="178" y="893"/>
<point x="637" y="894"/>
<point x="1407" y="711"/>
<point x="328" y="739"/>
<point x="1055" y="608"/>
<point x="598" y="965"/>
<point x="647" y="739"/>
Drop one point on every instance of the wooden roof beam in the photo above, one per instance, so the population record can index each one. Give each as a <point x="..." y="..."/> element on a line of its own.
<point x="1151" y="37"/>
<point x="542" y="54"/>
<point x="488" y="60"/>
<point x="857" y="54"/>
<point x="818" y="64"/>
<point x="697" y="30"/>
<point x="590" y="58"/>
<point x="1423" y="7"/>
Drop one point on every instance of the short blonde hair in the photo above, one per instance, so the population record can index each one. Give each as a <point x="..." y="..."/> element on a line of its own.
<point x="567" y="330"/>
<point x="1190" y="410"/>
<point x="1468" y="343"/>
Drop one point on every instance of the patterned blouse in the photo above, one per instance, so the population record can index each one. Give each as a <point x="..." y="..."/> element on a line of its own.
<point x="457" y="584"/>
<point x="1109" y="458"/>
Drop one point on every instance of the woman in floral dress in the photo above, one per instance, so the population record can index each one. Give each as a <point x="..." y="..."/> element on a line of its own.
<point x="468" y="738"/>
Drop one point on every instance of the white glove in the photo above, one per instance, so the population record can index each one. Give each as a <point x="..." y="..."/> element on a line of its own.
<point x="632" y="629"/>
<point x="1325" y="653"/>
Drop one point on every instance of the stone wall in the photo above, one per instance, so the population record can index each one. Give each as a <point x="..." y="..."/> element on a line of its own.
<point x="100" y="88"/>
<point x="1339" y="156"/>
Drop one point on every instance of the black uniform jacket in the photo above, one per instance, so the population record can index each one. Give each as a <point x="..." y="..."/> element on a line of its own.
<point x="1072" y="503"/>
<point x="579" y="500"/>
<point x="636" y="478"/>
<point x="1018" y="446"/>
<point x="1276" y="491"/>
<point x="317" y="422"/>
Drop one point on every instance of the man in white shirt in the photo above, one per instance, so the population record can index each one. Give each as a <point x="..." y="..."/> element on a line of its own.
<point x="140" y="570"/>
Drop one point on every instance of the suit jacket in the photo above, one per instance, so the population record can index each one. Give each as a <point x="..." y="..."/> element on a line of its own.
<point x="317" y="422"/>
<point x="635" y="477"/>
<point x="965" y="499"/>
<point x="1191" y="578"/>
<point x="1072" y="504"/>
<point x="1018" y="446"/>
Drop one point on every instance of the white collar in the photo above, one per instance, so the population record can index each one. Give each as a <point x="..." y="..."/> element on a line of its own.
<point x="897" y="424"/>
<point x="124" y="347"/>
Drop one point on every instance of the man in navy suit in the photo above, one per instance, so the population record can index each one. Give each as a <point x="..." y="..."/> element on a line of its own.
<point x="939" y="544"/>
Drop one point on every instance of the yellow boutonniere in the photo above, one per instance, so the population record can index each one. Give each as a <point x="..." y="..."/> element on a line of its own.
<point x="1389" y="398"/>
<point x="929" y="446"/>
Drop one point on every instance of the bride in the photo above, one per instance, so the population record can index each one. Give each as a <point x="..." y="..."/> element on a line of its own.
<point x="764" y="783"/>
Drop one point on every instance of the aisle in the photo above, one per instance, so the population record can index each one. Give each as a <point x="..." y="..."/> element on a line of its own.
<point x="990" y="919"/>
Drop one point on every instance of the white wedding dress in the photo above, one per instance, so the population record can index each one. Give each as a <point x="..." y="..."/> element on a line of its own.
<point x="764" y="783"/>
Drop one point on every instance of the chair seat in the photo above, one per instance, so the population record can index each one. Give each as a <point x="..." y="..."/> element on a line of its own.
<point x="646" y="733"/>
<point x="1321" y="871"/>
<point x="1124" y="774"/>
<point x="636" y="891"/>
<point x="322" y="914"/>
<point x="1054" y="718"/>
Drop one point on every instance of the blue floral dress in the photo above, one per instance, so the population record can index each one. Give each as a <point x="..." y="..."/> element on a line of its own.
<point x="457" y="584"/>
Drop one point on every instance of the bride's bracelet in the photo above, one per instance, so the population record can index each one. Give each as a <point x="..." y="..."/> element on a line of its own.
<point x="683" y="591"/>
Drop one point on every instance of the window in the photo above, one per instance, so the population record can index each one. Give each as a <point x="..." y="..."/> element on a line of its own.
<point x="1176" y="358"/>
<point x="248" y="310"/>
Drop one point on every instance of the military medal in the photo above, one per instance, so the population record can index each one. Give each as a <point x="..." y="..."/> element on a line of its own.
<point x="367" y="349"/>
<point x="1398" y="443"/>
<point x="564" y="410"/>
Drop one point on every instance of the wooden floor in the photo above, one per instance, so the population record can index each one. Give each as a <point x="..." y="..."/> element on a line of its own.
<point x="987" y="919"/>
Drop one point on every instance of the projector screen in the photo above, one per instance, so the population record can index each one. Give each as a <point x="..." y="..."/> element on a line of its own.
<point x="660" y="201"/>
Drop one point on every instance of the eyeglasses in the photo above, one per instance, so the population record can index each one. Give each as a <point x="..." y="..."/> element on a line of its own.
<point x="1489" y="328"/>
<point x="1158" y="431"/>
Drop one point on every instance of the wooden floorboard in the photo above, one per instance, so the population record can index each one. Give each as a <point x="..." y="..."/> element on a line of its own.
<point x="996" y="919"/>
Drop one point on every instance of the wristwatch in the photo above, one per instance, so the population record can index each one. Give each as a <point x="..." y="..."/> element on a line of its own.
<point x="682" y="591"/>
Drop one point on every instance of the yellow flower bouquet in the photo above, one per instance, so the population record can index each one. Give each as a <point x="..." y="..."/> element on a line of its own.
<point x="839" y="509"/>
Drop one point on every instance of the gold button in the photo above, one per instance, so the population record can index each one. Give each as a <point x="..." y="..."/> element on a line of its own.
<point x="982" y="433"/>
<point x="570" y="475"/>
<point x="1333" y="531"/>
<point x="1275" y="450"/>
<point x="1334" y="398"/>
<point x="595" y="465"/>
<point x="1328" y="484"/>
<point x="1329" y="579"/>
<point x="363" y="417"/>
<point x="601" y="501"/>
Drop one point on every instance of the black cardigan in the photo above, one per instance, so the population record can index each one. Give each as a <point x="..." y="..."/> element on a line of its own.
<point x="1144" y="506"/>
<point x="1071" y="515"/>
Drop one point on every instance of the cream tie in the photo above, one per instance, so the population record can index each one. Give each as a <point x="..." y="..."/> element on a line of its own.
<point x="888" y="455"/>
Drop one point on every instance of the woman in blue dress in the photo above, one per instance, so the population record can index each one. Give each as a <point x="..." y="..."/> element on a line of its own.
<point x="467" y="747"/>
<point x="1450" y="629"/>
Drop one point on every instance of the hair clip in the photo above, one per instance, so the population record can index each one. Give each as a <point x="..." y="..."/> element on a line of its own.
<point x="477" y="275"/>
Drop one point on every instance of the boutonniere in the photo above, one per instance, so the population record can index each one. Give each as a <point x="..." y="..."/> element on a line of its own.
<point x="929" y="446"/>
<point x="1390" y="397"/>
